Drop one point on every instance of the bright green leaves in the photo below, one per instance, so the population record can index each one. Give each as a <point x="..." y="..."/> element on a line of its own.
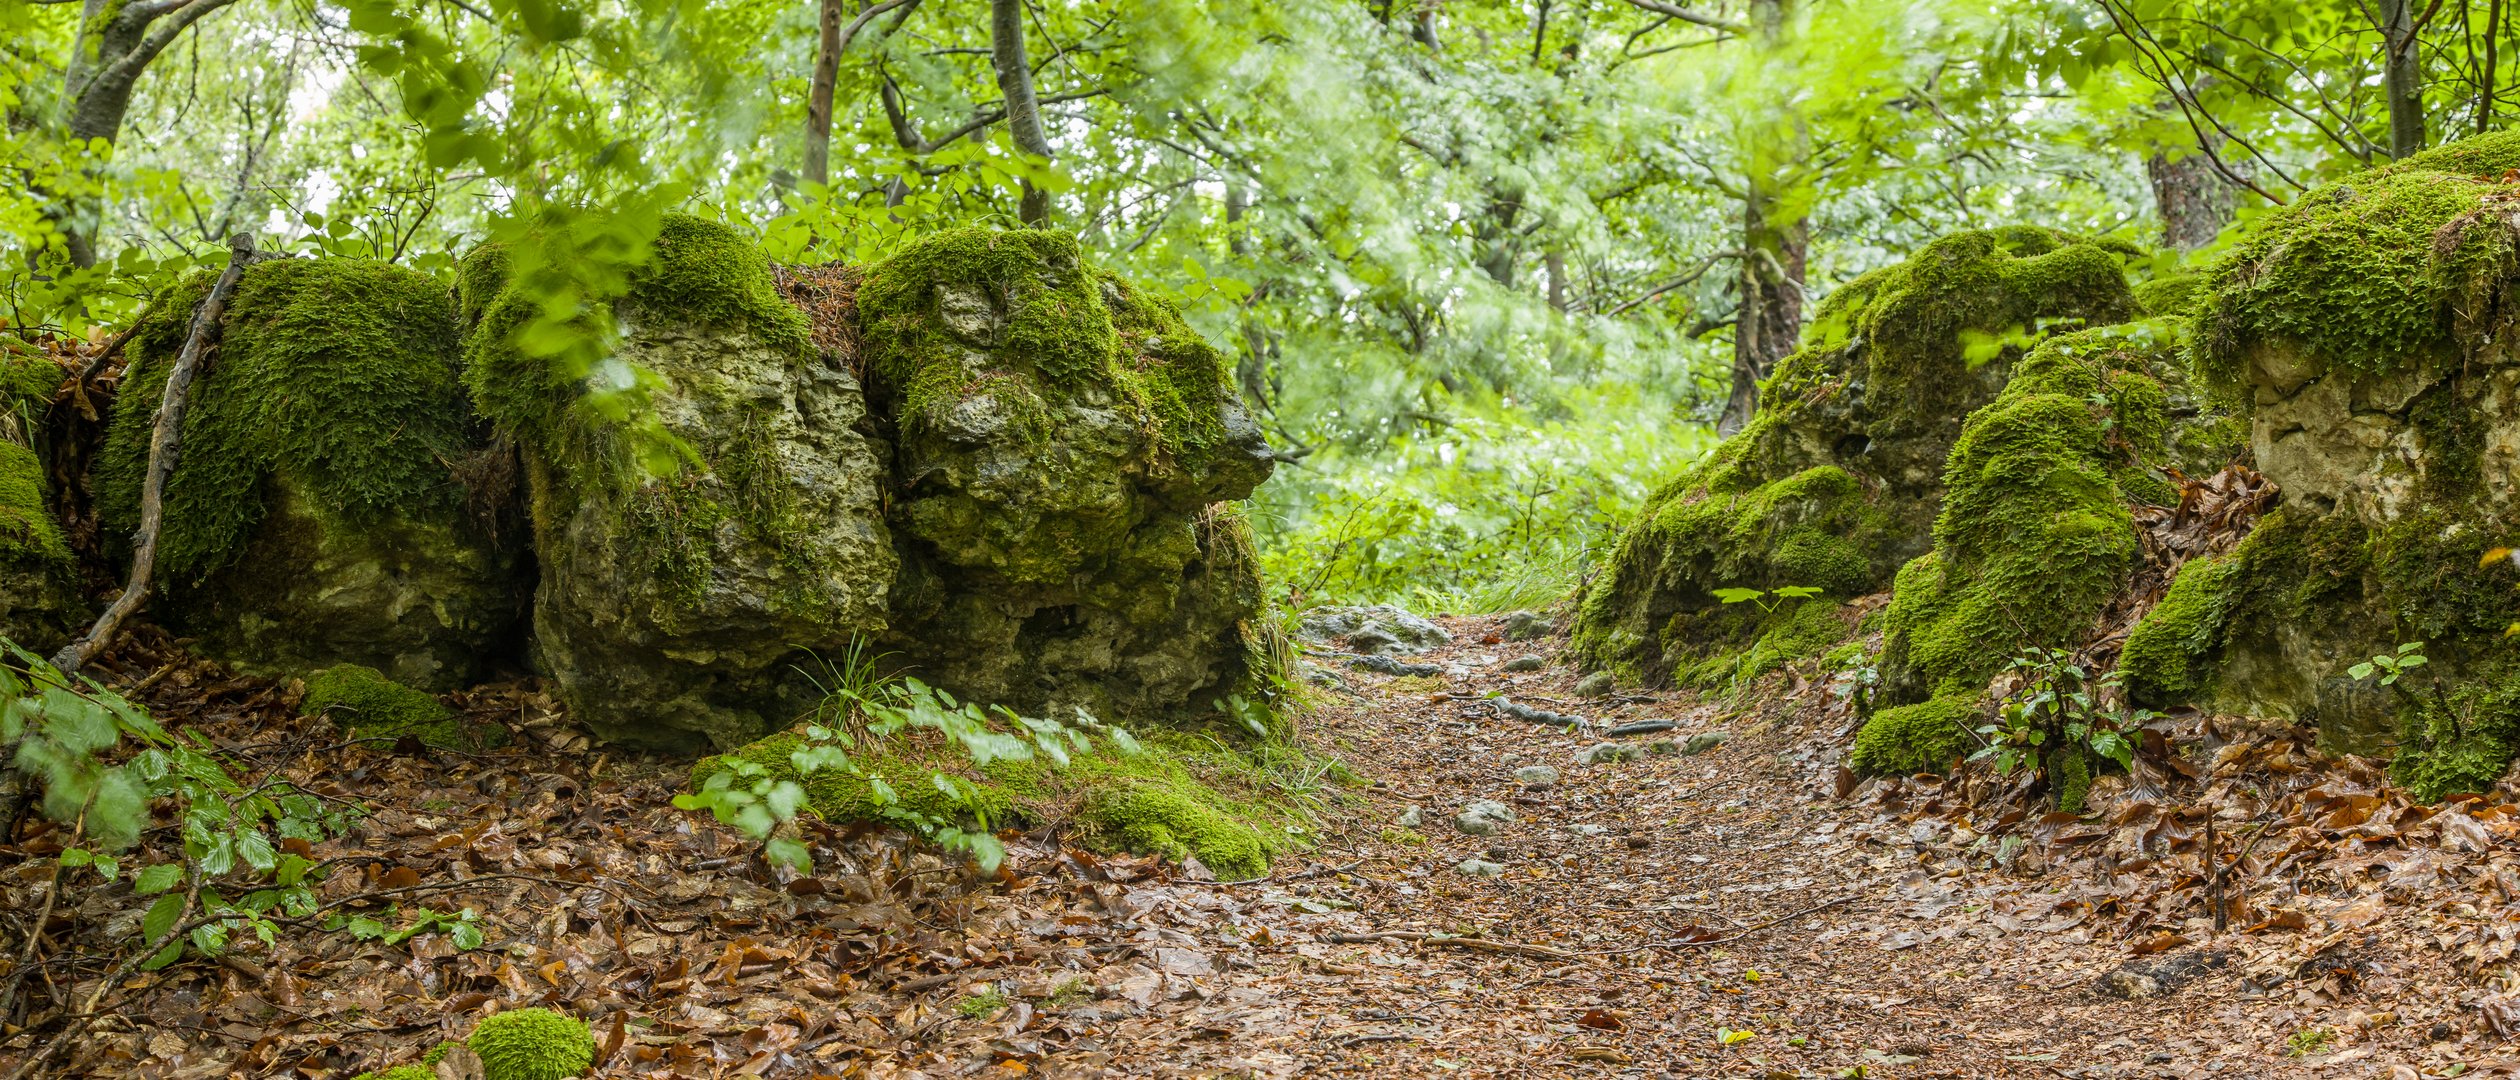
<point x="462" y="928"/>
<point x="2391" y="666"/>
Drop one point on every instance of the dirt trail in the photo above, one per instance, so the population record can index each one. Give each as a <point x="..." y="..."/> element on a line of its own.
<point x="1731" y="912"/>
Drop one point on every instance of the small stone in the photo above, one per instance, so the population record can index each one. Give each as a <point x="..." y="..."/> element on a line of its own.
<point x="1480" y="868"/>
<point x="2129" y="985"/>
<point x="1605" y="753"/>
<point x="1410" y="818"/>
<point x="1525" y="663"/>
<point x="1662" y="748"/>
<point x="1597" y="684"/>
<point x="1704" y="741"/>
<point x="1526" y="626"/>
<point x="1486" y="817"/>
<point x="1535" y="776"/>
<point x="1640" y="843"/>
<point x="1588" y="830"/>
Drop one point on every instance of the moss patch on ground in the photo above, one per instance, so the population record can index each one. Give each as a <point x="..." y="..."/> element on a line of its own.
<point x="1235" y="809"/>
<point x="533" y="1044"/>
<point x="366" y="704"/>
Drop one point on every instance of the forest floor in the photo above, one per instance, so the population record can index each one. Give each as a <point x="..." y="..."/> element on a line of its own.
<point x="1745" y="910"/>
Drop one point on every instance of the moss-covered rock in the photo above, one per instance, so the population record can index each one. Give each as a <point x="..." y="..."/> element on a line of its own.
<point x="40" y="605"/>
<point x="335" y="498"/>
<point x="2363" y="330"/>
<point x="1066" y="450"/>
<point x="366" y="704"/>
<point x="533" y="1044"/>
<point x="682" y="610"/>
<point x="1837" y="481"/>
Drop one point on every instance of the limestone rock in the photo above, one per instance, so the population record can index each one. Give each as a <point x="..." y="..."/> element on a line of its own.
<point x="40" y="606"/>
<point x="684" y="608"/>
<point x="1065" y="455"/>
<point x="1526" y="626"/>
<point x="1606" y="753"/>
<point x="1525" y="663"/>
<point x="1480" y="868"/>
<point x="1535" y="776"/>
<point x="1484" y="817"/>
<point x="1599" y="684"/>
<point x="1373" y="629"/>
<point x="336" y="501"/>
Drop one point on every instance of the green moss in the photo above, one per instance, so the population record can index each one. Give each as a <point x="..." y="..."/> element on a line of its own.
<point x="2069" y="769"/>
<point x="1925" y="737"/>
<point x="2170" y="655"/>
<point x="438" y="1053"/>
<point x="2463" y="741"/>
<point x="339" y="374"/>
<point x="366" y="704"/>
<point x="401" y="1072"/>
<point x="2486" y="156"/>
<point x="2176" y="293"/>
<point x="29" y="537"/>
<point x="2362" y="275"/>
<point x="533" y="1044"/>
<point x="1176" y="798"/>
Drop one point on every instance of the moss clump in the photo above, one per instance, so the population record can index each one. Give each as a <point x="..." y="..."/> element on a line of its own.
<point x="1925" y="737"/>
<point x="339" y="375"/>
<point x="400" y="1072"/>
<point x="2169" y="656"/>
<point x="533" y="1044"/>
<point x="29" y="537"/>
<point x="2461" y="741"/>
<point x="366" y="704"/>
<point x="1836" y="483"/>
<point x="1797" y="630"/>
<point x="1169" y="818"/>
<point x="2366" y="275"/>
<point x="2176" y="293"/>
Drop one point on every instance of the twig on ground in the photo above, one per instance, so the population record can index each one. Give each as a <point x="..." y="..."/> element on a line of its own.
<point x="1486" y="945"/>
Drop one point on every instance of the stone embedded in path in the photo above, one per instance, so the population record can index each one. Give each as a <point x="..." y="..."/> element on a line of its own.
<point x="1605" y="753"/>
<point x="1410" y="818"/>
<point x="1526" y="626"/>
<point x="1597" y="684"/>
<point x="1373" y="629"/>
<point x="1480" y="868"/>
<point x="1535" y="776"/>
<point x="1525" y="663"/>
<point x="1485" y="817"/>
<point x="1704" y="741"/>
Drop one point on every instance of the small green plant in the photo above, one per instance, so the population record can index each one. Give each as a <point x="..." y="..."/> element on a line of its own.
<point x="2308" y="1041"/>
<point x="746" y="795"/>
<point x="984" y="1003"/>
<point x="2058" y="720"/>
<point x="2391" y="666"/>
<point x="1768" y="601"/>
<point x="1074" y="990"/>
<point x="463" y="928"/>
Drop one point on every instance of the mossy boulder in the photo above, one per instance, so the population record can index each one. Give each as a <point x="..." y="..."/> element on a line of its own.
<point x="40" y="605"/>
<point x="1066" y="451"/>
<point x="334" y="500"/>
<point x="1837" y="481"/>
<point x="683" y="609"/>
<point x="2364" y="331"/>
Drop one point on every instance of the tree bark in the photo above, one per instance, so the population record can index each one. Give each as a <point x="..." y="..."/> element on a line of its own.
<point x="2485" y="93"/>
<point x="1773" y="256"/>
<point x="2402" y="77"/>
<point x="1023" y="107"/>
<point x="818" y="100"/>
<point x="165" y="447"/>
<point x="1769" y="323"/>
<point x="2194" y="201"/>
<point x="1555" y="263"/>
<point x="117" y="41"/>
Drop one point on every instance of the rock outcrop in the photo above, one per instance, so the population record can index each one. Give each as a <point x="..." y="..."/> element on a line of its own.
<point x="690" y="607"/>
<point x="2367" y="331"/>
<point x="1837" y="481"/>
<point x="335" y="500"/>
<point x="1065" y="453"/>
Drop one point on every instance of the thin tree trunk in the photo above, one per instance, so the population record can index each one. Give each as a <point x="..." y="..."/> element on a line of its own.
<point x="2485" y="98"/>
<point x="1769" y="323"/>
<point x="1555" y="264"/>
<point x="835" y="41"/>
<point x="2194" y="201"/>
<point x="117" y="41"/>
<point x="165" y="447"/>
<point x="1773" y="253"/>
<point x="2402" y="77"/>
<point x="1023" y="107"/>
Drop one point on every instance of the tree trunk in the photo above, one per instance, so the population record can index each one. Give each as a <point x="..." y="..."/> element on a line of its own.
<point x="818" y="102"/>
<point x="1769" y="323"/>
<point x="2403" y="77"/>
<point x="1555" y="264"/>
<point x="117" y="40"/>
<point x="1023" y="107"/>
<point x="1773" y="253"/>
<point x="2195" y="202"/>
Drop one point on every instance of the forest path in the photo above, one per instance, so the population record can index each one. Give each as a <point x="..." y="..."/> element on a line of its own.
<point x="1675" y="899"/>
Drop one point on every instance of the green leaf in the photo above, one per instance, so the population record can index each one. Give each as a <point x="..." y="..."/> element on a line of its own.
<point x="158" y="879"/>
<point x="1736" y="596"/>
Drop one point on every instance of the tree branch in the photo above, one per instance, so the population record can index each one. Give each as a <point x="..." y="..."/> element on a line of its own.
<point x="1710" y="22"/>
